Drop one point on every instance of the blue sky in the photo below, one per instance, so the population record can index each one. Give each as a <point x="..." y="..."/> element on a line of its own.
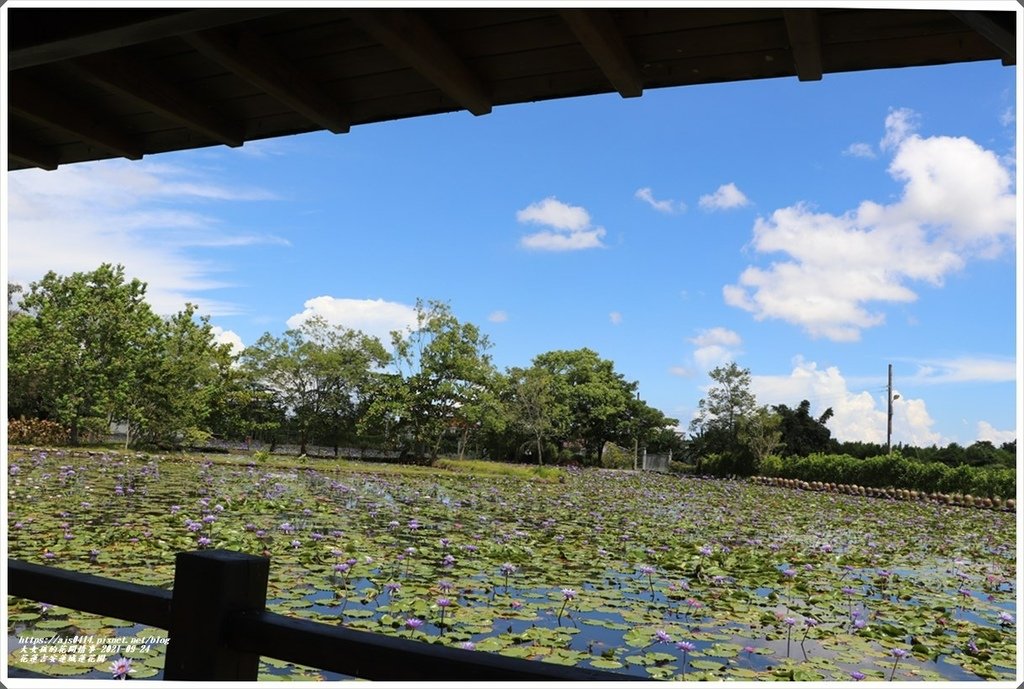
<point x="812" y="232"/>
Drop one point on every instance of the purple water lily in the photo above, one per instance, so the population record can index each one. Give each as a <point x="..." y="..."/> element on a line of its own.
<point x="897" y="653"/>
<point x="685" y="647"/>
<point x="567" y="595"/>
<point x="121" y="668"/>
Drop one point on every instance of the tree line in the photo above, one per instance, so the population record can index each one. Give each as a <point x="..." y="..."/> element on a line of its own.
<point x="732" y="434"/>
<point x="87" y="352"/>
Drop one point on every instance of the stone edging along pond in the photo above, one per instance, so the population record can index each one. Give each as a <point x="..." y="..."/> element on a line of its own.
<point x="956" y="499"/>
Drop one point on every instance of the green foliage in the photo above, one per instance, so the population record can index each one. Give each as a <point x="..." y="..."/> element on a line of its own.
<point x="802" y="434"/>
<point x="442" y="385"/>
<point x="770" y="466"/>
<point x="535" y="407"/>
<point x="82" y="347"/>
<point x="597" y="398"/>
<point x="897" y="472"/>
<point x="36" y="432"/>
<point x="318" y="374"/>
<point x="716" y="427"/>
<point x="761" y="434"/>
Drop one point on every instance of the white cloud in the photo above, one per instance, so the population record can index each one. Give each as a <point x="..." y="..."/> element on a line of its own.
<point x="615" y="317"/>
<point x="715" y="347"/>
<point x="858" y="415"/>
<point x="571" y="231"/>
<point x="681" y="371"/>
<point x="900" y="123"/>
<point x="556" y="214"/>
<point x="987" y="431"/>
<point x="666" y="206"/>
<point x="372" y="316"/>
<point x="230" y="337"/>
<point x="964" y="370"/>
<point x="146" y="216"/>
<point x="1008" y="117"/>
<point x="957" y="205"/>
<point x="725" y="197"/>
<point x="498" y="317"/>
<point x="557" y="241"/>
<point x="860" y="150"/>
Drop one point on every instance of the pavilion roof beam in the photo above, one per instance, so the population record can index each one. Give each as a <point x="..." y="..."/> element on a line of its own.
<point x="257" y="62"/>
<point x="30" y="153"/>
<point x="596" y="30"/>
<point x="995" y="33"/>
<point x="134" y="80"/>
<point x="30" y="100"/>
<point x="412" y="39"/>
<point x="174" y="24"/>
<point x="804" y="31"/>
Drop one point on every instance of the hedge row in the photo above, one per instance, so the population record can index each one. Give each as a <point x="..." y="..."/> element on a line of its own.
<point x="895" y="471"/>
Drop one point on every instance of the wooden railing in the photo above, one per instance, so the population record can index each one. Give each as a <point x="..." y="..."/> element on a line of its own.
<point x="218" y="627"/>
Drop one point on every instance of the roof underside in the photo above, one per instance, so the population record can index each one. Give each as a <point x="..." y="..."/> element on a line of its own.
<point x="89" y="84"/>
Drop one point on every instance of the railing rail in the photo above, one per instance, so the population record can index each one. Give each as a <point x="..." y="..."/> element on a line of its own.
<point x="89" y="593"/>
<point x="218" y="627"/>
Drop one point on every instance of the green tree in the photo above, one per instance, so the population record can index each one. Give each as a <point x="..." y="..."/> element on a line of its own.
<point x="596" y="396"/>
<point x="715" y="427"/>
<point x="802" y="434"/>
<point x="176" y="391"/>
<point x="761" y="434"/>
<point x="319" y="375"/>
<point x="82" y="346"/>
<point x="439" y="388"/>
<point x="12" y="308"/>
<point x="244" y="407"/>
<point x="535" y="407"/>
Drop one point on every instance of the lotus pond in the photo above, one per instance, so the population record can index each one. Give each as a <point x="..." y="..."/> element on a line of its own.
<point x="650" y="575"/>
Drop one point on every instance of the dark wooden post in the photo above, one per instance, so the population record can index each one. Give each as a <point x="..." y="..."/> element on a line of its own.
<point x="209" y="587"/>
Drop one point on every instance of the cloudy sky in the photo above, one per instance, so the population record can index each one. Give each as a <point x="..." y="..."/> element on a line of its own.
<point x="812" y="232"/>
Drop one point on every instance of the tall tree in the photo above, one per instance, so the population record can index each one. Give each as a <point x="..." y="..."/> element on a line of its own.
<point x="440" y="383"/>
<point x="597" y="397"/>
<point x="535" y="405"/>
<point x="82" y="346"/>
<point x="319" y="374"/>
<point x="715" y="427"/>
<point x="761" y="434"/>
<point x="176" y="391"/>
<point x="802" y="434"/>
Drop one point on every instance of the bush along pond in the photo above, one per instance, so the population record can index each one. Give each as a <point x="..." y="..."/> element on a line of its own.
<point x="663" y="577"/>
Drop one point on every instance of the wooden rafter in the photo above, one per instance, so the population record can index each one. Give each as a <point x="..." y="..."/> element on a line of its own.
<point x="255" y="61"/>
<point x="409" y="37"/>
<point x="30" y="100"/>
<point x="133" y="79"/>
<point x="993" y="32"/>
<point x="805" y="42"/>
<point x="596" y="30"/>
<point x="30" y="153"/>
<point x="164" y="26"/>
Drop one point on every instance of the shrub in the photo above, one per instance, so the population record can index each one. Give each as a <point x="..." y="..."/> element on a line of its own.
<point x="36" y="432"/>
<point x="770" y="466"/>
<point x="893" y="471"/>
<point x="714" y="464"/>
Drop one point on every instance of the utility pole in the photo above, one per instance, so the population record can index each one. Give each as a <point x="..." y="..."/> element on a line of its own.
<point x="636" y="438"/>
<point x="888" y="432"/>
